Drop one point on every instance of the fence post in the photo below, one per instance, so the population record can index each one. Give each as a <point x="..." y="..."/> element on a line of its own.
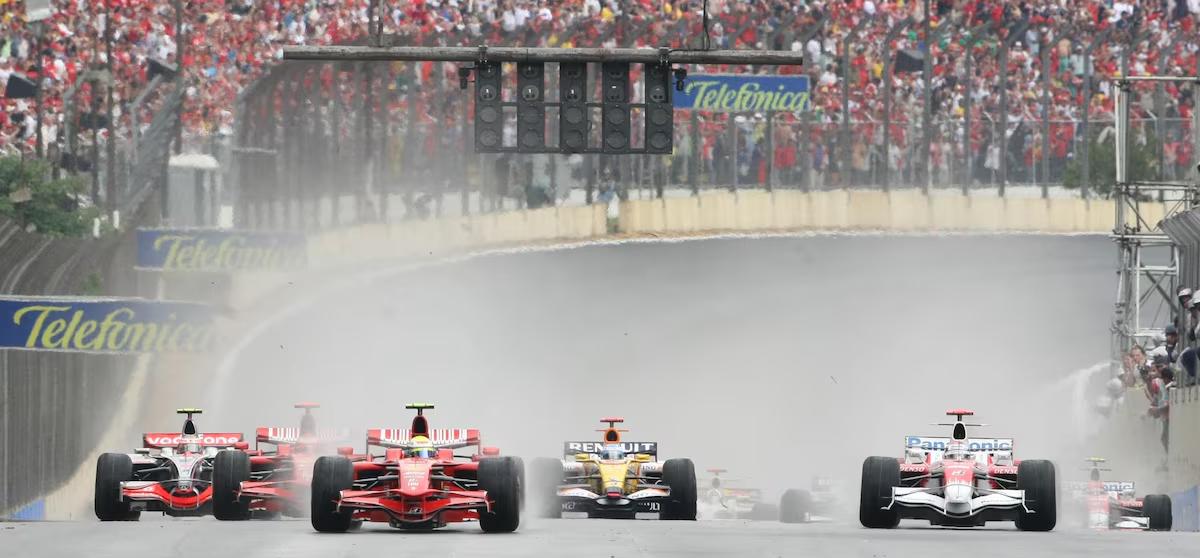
<point x="696" y="154"/>
<point x="1046" y="43"/>
<point x="1085" y="153"/>
<point x="769" y="152"/>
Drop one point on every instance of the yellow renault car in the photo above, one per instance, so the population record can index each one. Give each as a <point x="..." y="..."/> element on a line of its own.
<point x="611" y="478"/>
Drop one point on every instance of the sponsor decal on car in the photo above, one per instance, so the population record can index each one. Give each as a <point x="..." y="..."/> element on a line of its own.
<point x="595" y="448"/>
<point x="156" y="440"/>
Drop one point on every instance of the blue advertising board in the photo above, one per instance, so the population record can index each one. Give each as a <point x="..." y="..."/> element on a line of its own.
<point x="743" y="93"/>
<point x="104" y="325"/>
<point x="220" y="250"/>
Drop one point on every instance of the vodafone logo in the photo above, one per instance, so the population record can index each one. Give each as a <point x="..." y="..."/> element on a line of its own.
<point x="164" y="440"/>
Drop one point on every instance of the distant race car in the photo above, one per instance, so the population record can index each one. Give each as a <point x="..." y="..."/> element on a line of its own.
<point x="172" y="474"/>
<point x="1113" y="504"/>
<point x="798" y="505"/>
<point x="419" y="483"/>
<point x="616" y="479"/>
<point x="958" y="481"/>
<point x="266" y="484"/>
<point x="722" y="501"/>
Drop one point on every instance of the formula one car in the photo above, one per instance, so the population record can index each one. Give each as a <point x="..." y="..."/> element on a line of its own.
<point x="798" y="505"/>
<point x="419" y="483"/>
<point x="722" y="501"/>
<point x="266" y="484"/>
<point x="616" y="479"/>
<point x="1112" y="504"/>
<point x="172" y="474"/>
<point x="958" y="481"/>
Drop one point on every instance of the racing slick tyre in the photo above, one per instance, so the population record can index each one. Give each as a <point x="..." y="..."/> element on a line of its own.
<point x="879" y="475"/>
<point x="547" y="476"/>
<point x="763" y="511"/>
<point x="680" y="475"/>
<point x="230" y="468"/>
<point x="1036" y="478"/>
<point x="111" y="470"/>
<point x="331" y="475"/>
<point x="795" y="505"/>
<point x="501" y="478"/>
<point x="1158" y="509"/>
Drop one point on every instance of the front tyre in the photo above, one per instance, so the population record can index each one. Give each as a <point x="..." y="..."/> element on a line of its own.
<point x="331" y="475"/>
<point x="1037" y="478"/>
<point x="1158" y="511"/>
<point x="500" y="478"/>
<point x="111" y="470"/>
<point x="680" y="475"/>
<point x="795" y="506"/>
<point x="230" y="468"/>
<point x="879" y="475"/>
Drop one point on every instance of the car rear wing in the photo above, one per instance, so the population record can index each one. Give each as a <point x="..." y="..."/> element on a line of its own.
<point x="291" y="435"/>
<point x="441" y="438"/>
<point x="1079" y="489"/>
<point x="934" y="447"/>
<point x="171" y="439"/>
<point x="594" y="448"/>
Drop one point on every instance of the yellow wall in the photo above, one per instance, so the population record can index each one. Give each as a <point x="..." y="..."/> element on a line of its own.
<point x="905" y="210"/>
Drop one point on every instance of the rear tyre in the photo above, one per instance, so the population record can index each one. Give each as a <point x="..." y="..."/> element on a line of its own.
<point x="1158" y="510"/>
<point x="795" y="506"/>
<point x="501" y="478"/>
<point x="331" y="475"/>
<point x="879" y="475"/>
<point x="680" y="475"/>
<point x="1037" y="478"/>
<point x="230" y="468"/>
<point x="111" y="470"/>
<point x="547" y="476"/>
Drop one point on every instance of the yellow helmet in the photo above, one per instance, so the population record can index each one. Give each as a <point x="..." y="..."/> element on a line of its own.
<point x="420" y="446"/>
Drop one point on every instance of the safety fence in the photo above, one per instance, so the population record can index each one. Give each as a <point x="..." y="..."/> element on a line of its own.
<point x="54" y="406"/>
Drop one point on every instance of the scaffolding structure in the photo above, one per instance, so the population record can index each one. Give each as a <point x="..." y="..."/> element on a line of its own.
<point x="1148" y="259"/>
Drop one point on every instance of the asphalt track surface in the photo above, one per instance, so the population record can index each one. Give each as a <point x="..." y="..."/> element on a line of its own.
<point x="576" y="538"/>
<point x="777" y="359"/>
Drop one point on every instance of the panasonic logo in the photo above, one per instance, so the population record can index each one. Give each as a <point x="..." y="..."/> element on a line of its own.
<point x="975" y="445"/>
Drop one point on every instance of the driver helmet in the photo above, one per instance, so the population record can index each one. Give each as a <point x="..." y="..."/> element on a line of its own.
<point x="420" y="446"/>
<point x="189" y="445"/>
<point x="957" y="451"/>
<point x="612" y="452"/>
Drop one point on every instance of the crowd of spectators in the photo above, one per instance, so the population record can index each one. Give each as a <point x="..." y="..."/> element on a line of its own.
<point x="227" y="44"/>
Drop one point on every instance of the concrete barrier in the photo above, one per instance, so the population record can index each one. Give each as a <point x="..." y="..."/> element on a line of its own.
<point x="1183" y="460"/>
<point x="902" y="211"/>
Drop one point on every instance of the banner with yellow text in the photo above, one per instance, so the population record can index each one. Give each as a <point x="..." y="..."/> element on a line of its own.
<point x="105" y="325"/>
<point x="743" y="93"/>
<point x="220" y="250"/>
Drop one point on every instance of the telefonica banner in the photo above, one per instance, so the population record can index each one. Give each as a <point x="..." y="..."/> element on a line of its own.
<point x="743" y="93"/>
<point x="104" y="325"/>
<point x="219" y="250"/>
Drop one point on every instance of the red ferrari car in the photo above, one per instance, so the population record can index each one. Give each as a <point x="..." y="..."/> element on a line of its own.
<point x="269" y="483"/>
<point x="172" y="474"/>
<point x="419" y="482"/>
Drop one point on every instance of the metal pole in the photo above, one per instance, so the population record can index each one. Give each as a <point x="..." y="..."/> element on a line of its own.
<point x="521" y="54"/>
<point x="694" y="156"/>
<point x="41" y="78"/>
<point x="180" y="44"/>
<point x="1045" y="48"/>
<point x="770" y="151"/>
<point x="110" y="163"/>
<point x="927" y="102"/>
<point x="969" y="80"/>
<point x="1003" y="135"/>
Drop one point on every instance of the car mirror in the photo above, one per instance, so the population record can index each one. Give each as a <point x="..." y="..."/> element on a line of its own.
<point x="583" y="457"/>
<point x="642" y="458"/>
<point x="243" y="446"/>
<point x="345" y="450"/>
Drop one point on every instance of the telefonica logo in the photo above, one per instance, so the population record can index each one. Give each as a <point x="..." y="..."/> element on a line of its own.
<point x="184" y="252"/>
<point x="715" y="94"/>
<point x="118" y="329"/>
